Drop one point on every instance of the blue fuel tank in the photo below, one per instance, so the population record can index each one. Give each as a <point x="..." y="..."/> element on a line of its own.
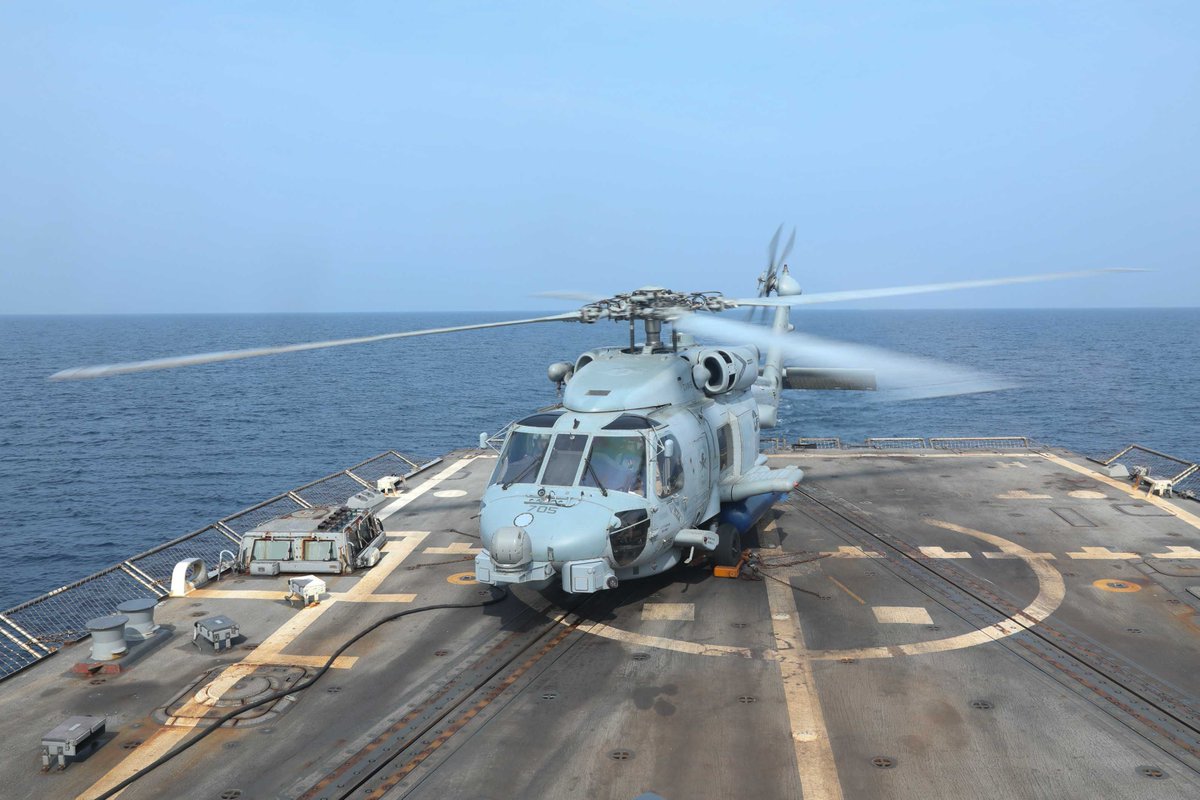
<point x="744" y="513"/>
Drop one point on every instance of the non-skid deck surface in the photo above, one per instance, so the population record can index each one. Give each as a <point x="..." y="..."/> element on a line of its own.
<point x="925" y="625"/>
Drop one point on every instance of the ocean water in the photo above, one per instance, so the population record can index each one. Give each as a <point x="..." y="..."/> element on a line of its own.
<point x="92" y="472"/>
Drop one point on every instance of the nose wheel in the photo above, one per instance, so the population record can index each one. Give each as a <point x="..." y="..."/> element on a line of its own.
<point x="729" y="546"/>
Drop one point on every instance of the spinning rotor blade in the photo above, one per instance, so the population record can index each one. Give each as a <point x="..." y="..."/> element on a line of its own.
<point x="105" y="370"/>
<point x="900" y="376"/>
<point x="772" y="248"/>
<point x="766" y="281"/>
<point x="579" y="297"/>
<point x="787" y="250"/>
<point x="895" y="291"/>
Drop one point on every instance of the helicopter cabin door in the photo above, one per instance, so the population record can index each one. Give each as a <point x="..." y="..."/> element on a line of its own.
<point x="747" y="435"/>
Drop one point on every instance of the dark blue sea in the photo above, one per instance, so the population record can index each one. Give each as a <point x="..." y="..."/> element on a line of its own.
<point x="92" y="472"/>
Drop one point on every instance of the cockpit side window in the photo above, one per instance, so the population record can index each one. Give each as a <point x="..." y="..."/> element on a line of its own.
<point x="669" y="479"/>
<point x="522" y="457"/>
<point x="563" y="463"/>
<point x="725" y="445"/>
<point x="616" y="464"/>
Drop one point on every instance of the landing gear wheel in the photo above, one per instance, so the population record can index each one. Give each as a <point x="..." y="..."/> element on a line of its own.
<point x="729" y="546"/>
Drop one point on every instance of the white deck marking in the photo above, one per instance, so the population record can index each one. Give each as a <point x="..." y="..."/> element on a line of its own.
<point x="1021" y="494"/>
<point x="1087" y="494"/>
<point x="664" y="643"/>
<point x="902" y="615"/>
<point x="674" y="612"/>
<point x="995" y="554"/>
<point x="395" y="552"/>
<point x="454" y="549"/>
<point x="937" y="552"/>
<point x="1101" y="553"/>
<point x="1051" y="591"/>
<point x="851" y="551"/>
<point x="1174" y="551"/>
<point x="412" y="494"/>
<point x="814" y="755"/>
<point x="451" y="493"/>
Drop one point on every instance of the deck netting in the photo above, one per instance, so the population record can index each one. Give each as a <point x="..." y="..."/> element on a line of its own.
<point x="332" y="491"/>
<point x="15" y="657"/>
<point x="205" y="544"/>
<point x="252" y="517"/>
<point x="389" y="463"/>
<point x="61" y="616"/>
<point x="1189" y="485"/>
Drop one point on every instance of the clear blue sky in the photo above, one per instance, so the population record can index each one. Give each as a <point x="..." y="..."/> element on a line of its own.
<point x="359" y="156"/>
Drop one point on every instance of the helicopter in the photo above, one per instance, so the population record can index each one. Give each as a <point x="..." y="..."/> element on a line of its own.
<point x="653" y="454"/>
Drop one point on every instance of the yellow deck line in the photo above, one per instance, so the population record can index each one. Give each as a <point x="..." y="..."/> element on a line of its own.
<point x="374" y="598"/>
<point x="846" y="589"/>
<point x="238" y="594"/>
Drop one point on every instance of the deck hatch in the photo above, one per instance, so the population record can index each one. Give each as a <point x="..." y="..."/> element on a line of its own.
<point x="1073" y="518"/>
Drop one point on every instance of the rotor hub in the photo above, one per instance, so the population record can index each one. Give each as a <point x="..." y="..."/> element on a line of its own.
<point x="652" y="303"/>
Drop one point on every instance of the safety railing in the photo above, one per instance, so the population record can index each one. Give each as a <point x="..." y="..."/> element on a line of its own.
<point x="782" y="445"/>
<point x="896" y="443"/>
<point x="1182" y="475"/>
<point x="39" y="627"/>
<point x="496" y="440"/>
<point x="818" y="443"/>
<point x="980" y="443"/>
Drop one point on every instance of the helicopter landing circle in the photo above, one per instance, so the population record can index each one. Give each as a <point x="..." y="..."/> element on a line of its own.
<point x="1051" y="591"/>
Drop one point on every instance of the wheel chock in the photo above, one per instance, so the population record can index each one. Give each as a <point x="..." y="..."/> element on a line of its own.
<point x="732" y="572"/>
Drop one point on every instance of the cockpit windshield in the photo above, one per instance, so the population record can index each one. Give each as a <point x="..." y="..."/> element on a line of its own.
<point x="522" y="457"/>
<point x="616" y="464"/>
<point x="564" y="459"/>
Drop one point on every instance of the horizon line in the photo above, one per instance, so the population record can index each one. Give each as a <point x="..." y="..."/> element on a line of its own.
<point x="550" y="311"/>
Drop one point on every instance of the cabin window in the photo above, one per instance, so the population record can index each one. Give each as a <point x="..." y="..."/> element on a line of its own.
<point x="545" y="420"/>
<point x="617" y="464"/>
<point x="629" y="422"/>
<point x="272" y="550"/>
<point x="563" y="463"/>
<point x="669" y="479"/>
<point x="725" y="445"/>
<point x="318" y="550"/>
<point x="522" y="457"/>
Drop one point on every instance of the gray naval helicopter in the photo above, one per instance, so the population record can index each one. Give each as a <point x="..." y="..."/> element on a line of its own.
<point x="653" y="454"/>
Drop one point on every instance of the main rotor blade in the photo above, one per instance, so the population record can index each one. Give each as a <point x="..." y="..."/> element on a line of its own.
<point x="895" y="291"/>
<point x="772" y="248"/>
<point x="106" y="370"/>
<point x="579" y="297"/>
<point x="787" y="249"/>
<point x="898" y="376"/>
